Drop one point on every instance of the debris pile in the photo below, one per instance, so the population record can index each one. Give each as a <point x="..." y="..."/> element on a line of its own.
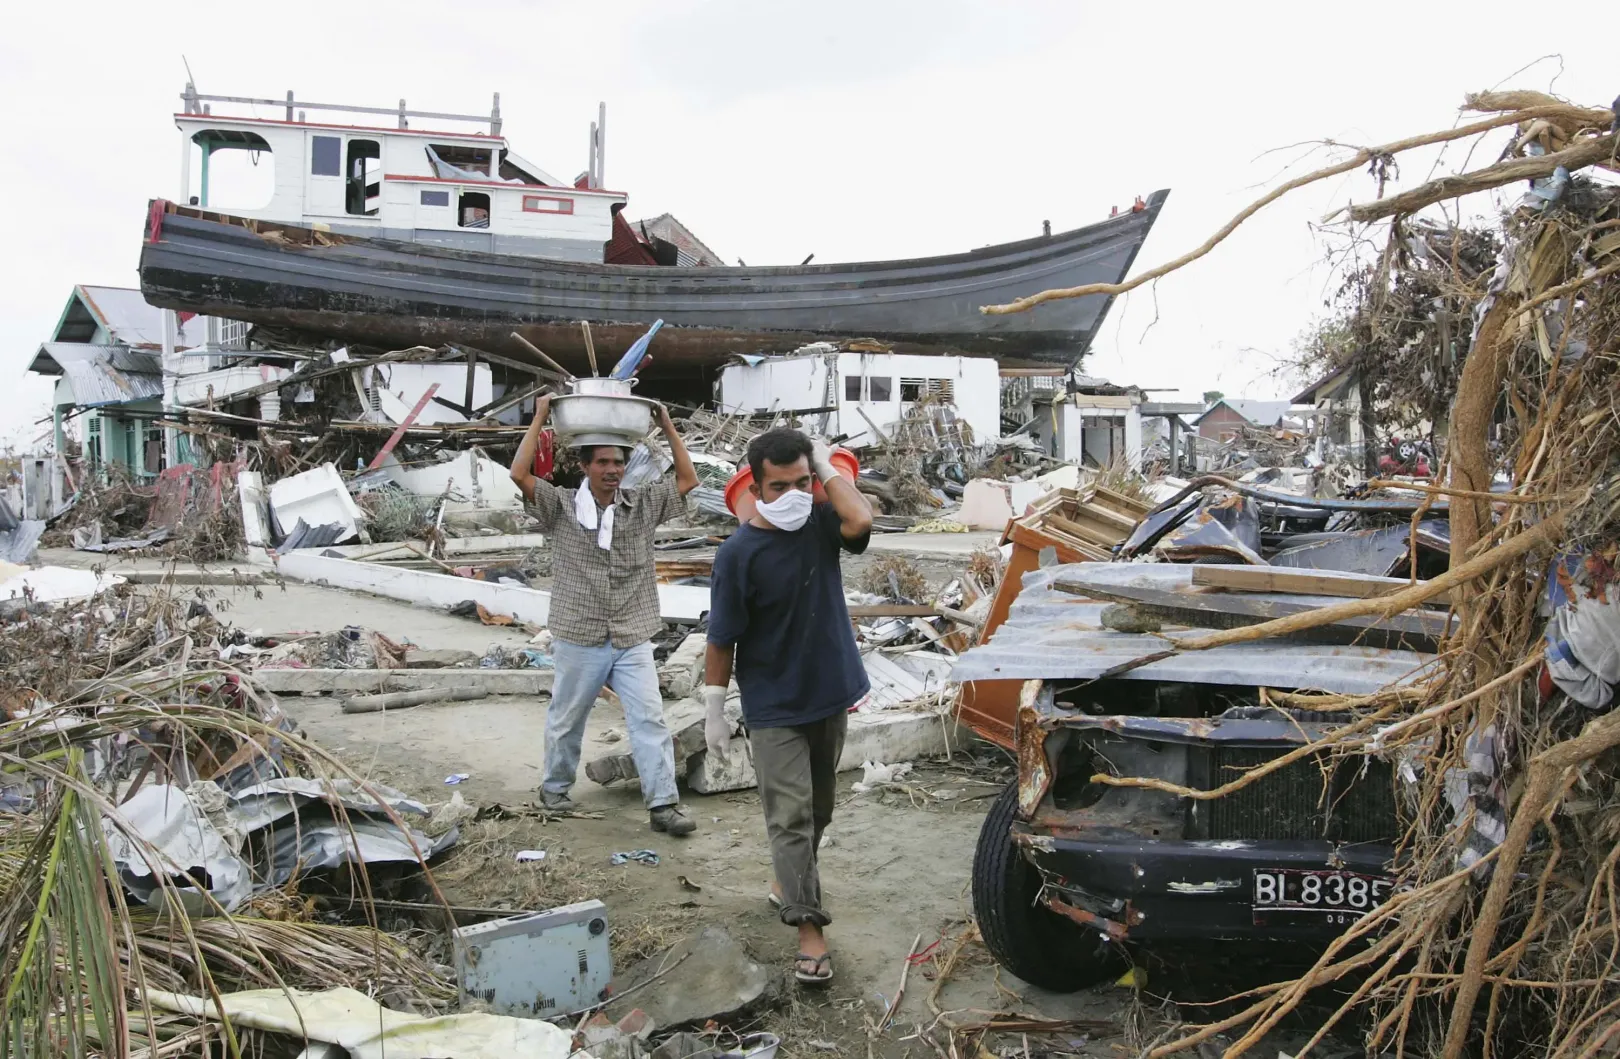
<point x="168" y="832"/>
<point x="1499" y="935"/>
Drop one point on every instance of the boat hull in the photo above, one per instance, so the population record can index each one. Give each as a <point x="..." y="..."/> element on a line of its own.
<point x="392" y="293"/>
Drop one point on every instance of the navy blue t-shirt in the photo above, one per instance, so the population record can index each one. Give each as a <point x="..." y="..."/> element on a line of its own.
<point x="779" y="598"/>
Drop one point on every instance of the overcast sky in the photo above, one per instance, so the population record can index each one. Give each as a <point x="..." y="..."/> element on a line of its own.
<point x="851" y="129"/>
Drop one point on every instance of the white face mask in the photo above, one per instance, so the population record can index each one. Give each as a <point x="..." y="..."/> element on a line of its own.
<point x="788" y="511"/>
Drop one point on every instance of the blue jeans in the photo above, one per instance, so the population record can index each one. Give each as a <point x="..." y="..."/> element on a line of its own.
<point x="631" y="672"/>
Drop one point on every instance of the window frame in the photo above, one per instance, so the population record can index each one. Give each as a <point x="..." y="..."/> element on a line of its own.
<point x="316" y="144"/>
<point x="351" y="181"/>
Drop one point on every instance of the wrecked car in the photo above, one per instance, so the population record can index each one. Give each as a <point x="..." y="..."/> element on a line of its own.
<point x="1116" y="830"/>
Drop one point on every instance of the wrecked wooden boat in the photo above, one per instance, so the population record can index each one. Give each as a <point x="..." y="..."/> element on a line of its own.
<point x="412" y="236"/>
<point x="392" y="292"/>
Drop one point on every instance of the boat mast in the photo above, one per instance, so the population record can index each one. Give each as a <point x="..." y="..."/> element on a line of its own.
<point x="593" y="166"/>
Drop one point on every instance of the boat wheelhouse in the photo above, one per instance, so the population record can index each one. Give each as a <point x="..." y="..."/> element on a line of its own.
<point x="465" y="189"/>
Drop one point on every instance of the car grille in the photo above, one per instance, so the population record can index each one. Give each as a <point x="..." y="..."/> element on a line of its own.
<point x="1351" y="800"/>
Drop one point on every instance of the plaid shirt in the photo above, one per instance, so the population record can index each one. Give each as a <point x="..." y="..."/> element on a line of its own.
<point x="597" y="595"/>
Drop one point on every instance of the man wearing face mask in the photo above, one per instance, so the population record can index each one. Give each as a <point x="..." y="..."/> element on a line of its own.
<point x="777" y="617"/>
<point x="604" y="611"/>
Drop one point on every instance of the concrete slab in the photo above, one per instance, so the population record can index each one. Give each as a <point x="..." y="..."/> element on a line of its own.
<point x="292" y="607"/>
<point x="233" y="576"/>
<point x="529" y="682"/>
<point x="428" y="589"/>
<point x="885" y="737"/>
<point x="716" y="980"/>
<point x="933" y="545"/>
<point x="126" y="563"/>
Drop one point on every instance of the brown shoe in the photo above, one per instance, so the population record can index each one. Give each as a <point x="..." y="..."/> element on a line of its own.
<point x="553" y="802"/>
<point x="672" y="820"/>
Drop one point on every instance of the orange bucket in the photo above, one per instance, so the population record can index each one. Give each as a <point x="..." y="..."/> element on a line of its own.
<point x="740" y="499"/>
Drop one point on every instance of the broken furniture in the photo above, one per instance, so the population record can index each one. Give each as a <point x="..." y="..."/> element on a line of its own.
<point x="1077" y="526"/>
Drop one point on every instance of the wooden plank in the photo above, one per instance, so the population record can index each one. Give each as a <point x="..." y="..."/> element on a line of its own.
<point x="1297" y="582"/>
<point x="1415" y="630"/>
<point x="1082" y="532"/>
<point x="893" y="610"/>
<point x="1135" y="509"/>
<point x="393" y="439"/>
<point x="1098" y="512"/>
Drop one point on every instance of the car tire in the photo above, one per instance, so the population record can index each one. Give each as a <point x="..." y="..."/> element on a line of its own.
<point x="1034" y="943"/>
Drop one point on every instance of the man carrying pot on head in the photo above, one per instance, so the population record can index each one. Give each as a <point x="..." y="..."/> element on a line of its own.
<point x="777" y="617"/>
<point x="604" y="611"/>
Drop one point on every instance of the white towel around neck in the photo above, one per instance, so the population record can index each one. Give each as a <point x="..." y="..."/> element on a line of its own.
<point x="585" y="511"/>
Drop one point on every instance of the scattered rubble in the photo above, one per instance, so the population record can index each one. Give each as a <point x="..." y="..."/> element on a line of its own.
<point x="1468" y="743"/>
<point x="705" y="976"/>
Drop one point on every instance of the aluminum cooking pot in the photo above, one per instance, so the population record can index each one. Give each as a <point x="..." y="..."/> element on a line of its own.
<point x="594" y="419"/>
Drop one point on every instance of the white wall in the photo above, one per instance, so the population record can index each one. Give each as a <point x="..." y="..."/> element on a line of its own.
<point x="223" y="382"/>
<point x="782" y="383"/>
<point x="975" y="387"/>
<point x="775" y="384"/>
<point x="406" y="383"/>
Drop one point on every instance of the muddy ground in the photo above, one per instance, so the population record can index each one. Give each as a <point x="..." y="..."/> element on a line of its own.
<point x="897" y="865"/>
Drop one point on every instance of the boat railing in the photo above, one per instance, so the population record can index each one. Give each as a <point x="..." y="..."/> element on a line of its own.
<point x="196" y="103"/>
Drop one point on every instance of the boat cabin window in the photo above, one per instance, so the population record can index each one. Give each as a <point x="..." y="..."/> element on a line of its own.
<point x="325" y="156"/>
<point x="472" y="210"/>
<point x="852" y="387"/>
<point x="454" y="162"/>
<point x="881" y="387"/>
<point x="231" y="170"/>
<point x="435" y="198"/>
<point x="363" y="178"/>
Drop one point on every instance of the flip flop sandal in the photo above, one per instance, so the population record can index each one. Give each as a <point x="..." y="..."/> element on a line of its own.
<point x="822" y="961"/>
<point x="772" y="900"/>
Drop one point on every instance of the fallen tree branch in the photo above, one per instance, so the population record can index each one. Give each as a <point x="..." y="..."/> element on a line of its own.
<point x="1382" y="739"/>
<point x="1446" y="490"/>
<point x="1355" y="161"/>
<point x="1594" y="151"/>
<point x="1548" y="775"/>
<point x="1554" y="293"/>
<point x="1573" y="115"/>
<point x="1270" y="766"/>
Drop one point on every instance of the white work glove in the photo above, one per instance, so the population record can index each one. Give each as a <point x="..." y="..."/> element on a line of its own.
<point x="716" y="731"/>
<point x="821" y="461"/>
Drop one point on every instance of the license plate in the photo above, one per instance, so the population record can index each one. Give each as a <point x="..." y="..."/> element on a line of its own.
<point x="1338" y="897"/>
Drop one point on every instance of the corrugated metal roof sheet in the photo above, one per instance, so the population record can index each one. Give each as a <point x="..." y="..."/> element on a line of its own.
<point x="1053" y="635"/>
<point x="103" y="375"/>
<point x="126" y="316"/>
<point x="1260" y="413"/>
